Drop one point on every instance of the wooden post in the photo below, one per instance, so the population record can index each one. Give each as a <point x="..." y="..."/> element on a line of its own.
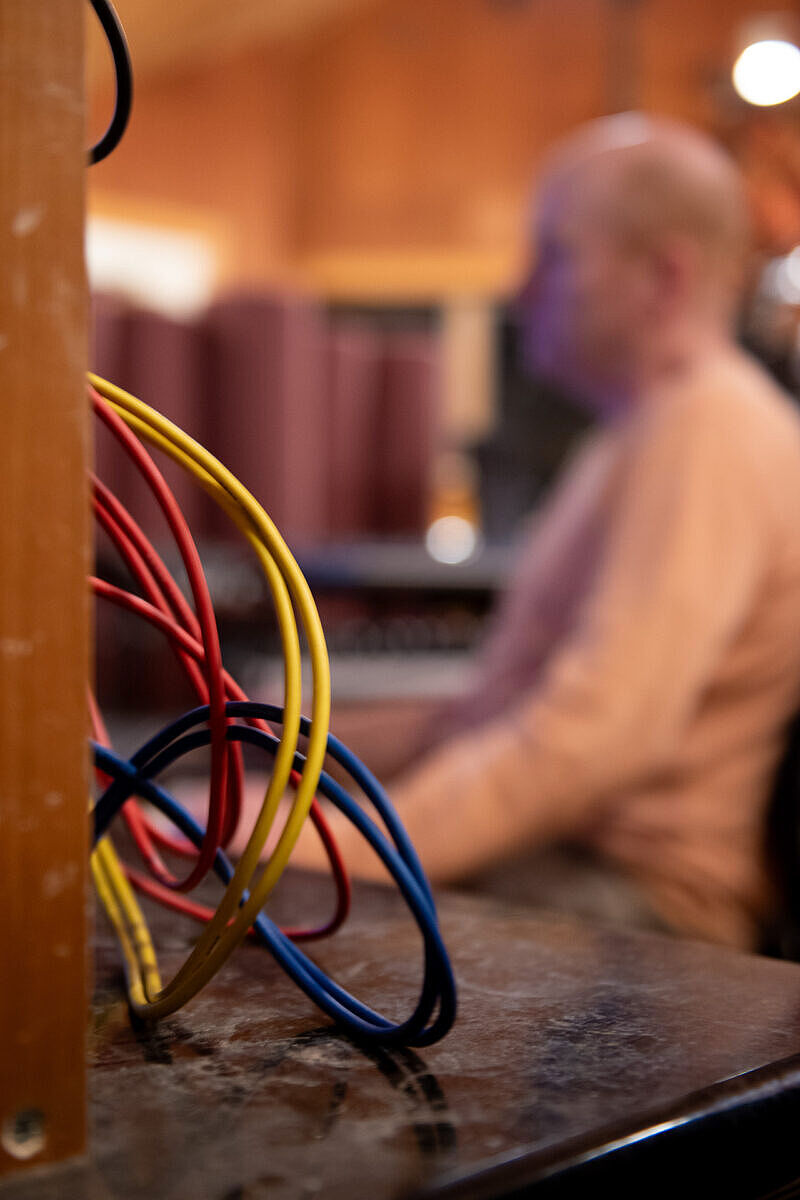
<point x="43" y="597"/>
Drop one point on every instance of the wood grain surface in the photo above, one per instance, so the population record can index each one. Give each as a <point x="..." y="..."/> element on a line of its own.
<point x="43" y="596"/>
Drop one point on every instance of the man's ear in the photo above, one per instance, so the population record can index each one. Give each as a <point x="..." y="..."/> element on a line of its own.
<point x="675" y="265"/>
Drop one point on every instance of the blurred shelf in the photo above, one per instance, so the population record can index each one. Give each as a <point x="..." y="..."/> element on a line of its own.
<point x="237" y="583"/>
<point x="359" y="678"/>
<point x="402" y="566"/>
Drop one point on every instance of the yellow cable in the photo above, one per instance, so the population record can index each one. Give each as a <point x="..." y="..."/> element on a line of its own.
<point x="292" y="672"/>
<point x="161" y="432"/>
<point x="122" y="907"/>
<point x="222" y="934"/>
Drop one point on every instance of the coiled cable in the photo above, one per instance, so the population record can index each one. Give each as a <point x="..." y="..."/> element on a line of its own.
<point x="193" y="638"/>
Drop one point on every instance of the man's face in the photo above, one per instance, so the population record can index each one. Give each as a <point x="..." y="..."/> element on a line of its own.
<point x="583" y="306"/>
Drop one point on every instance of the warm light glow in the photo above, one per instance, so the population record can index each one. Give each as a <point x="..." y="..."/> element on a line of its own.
<point x="768" y="72"/>
<point x="162" y="269"/>
<point x="451" y="539"/>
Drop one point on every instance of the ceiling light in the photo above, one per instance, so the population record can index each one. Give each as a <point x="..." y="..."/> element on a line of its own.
<point x="768" y="72"/>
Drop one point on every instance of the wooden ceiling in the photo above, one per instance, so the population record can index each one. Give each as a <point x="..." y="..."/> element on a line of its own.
<point x="169" y="35"/>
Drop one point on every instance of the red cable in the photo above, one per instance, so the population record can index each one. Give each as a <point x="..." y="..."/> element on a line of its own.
<point x="190" y="908"/>
<point x="191" y="647"/>
<point x="143" y="832"/>
<point x="212" y="658"/>
<point x="134" y="817"/>
<point x="129" y="541"/>
<point x="154" y="576"/>
<point x="199" y="912"/>
<point x="177" y="601"/>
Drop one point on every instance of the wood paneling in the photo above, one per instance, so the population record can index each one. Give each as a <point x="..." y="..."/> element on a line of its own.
<point x="187" y="33"/>
<point x="219" y="142"/>
<point x="426" y="121"/>
<point x="391" y="152"/>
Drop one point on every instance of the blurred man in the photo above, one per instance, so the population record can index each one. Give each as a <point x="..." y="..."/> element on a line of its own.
<point x="634" y="693"/>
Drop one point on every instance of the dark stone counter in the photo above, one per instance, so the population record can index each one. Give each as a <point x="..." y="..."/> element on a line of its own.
<point x="249" y="1093"/>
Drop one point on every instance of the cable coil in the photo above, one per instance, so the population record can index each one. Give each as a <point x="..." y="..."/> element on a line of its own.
<point x="225" y="720"/>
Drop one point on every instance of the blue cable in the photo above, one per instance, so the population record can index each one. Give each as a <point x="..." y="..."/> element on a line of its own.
<point x="135" y="777"/>
<point x="359" y="1019"/>
<point x="109" y="803"/>
<point x="376" y="1025"/>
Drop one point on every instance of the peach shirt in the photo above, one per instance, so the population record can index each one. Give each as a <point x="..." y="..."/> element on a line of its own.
<point x="641" y="672"/>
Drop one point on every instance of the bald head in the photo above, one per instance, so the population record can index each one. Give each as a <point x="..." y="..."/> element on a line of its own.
<point x="646" y="179"/>
<point x="639" y="245"/>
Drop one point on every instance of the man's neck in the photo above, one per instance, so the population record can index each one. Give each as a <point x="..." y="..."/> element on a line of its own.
<point x="671" y="357"/>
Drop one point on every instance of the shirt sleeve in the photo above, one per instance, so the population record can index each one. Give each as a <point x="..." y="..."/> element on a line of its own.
<point x="683" y="558"/>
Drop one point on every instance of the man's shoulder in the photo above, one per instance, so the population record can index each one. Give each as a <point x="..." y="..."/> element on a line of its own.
<point x="730" y="403"/>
